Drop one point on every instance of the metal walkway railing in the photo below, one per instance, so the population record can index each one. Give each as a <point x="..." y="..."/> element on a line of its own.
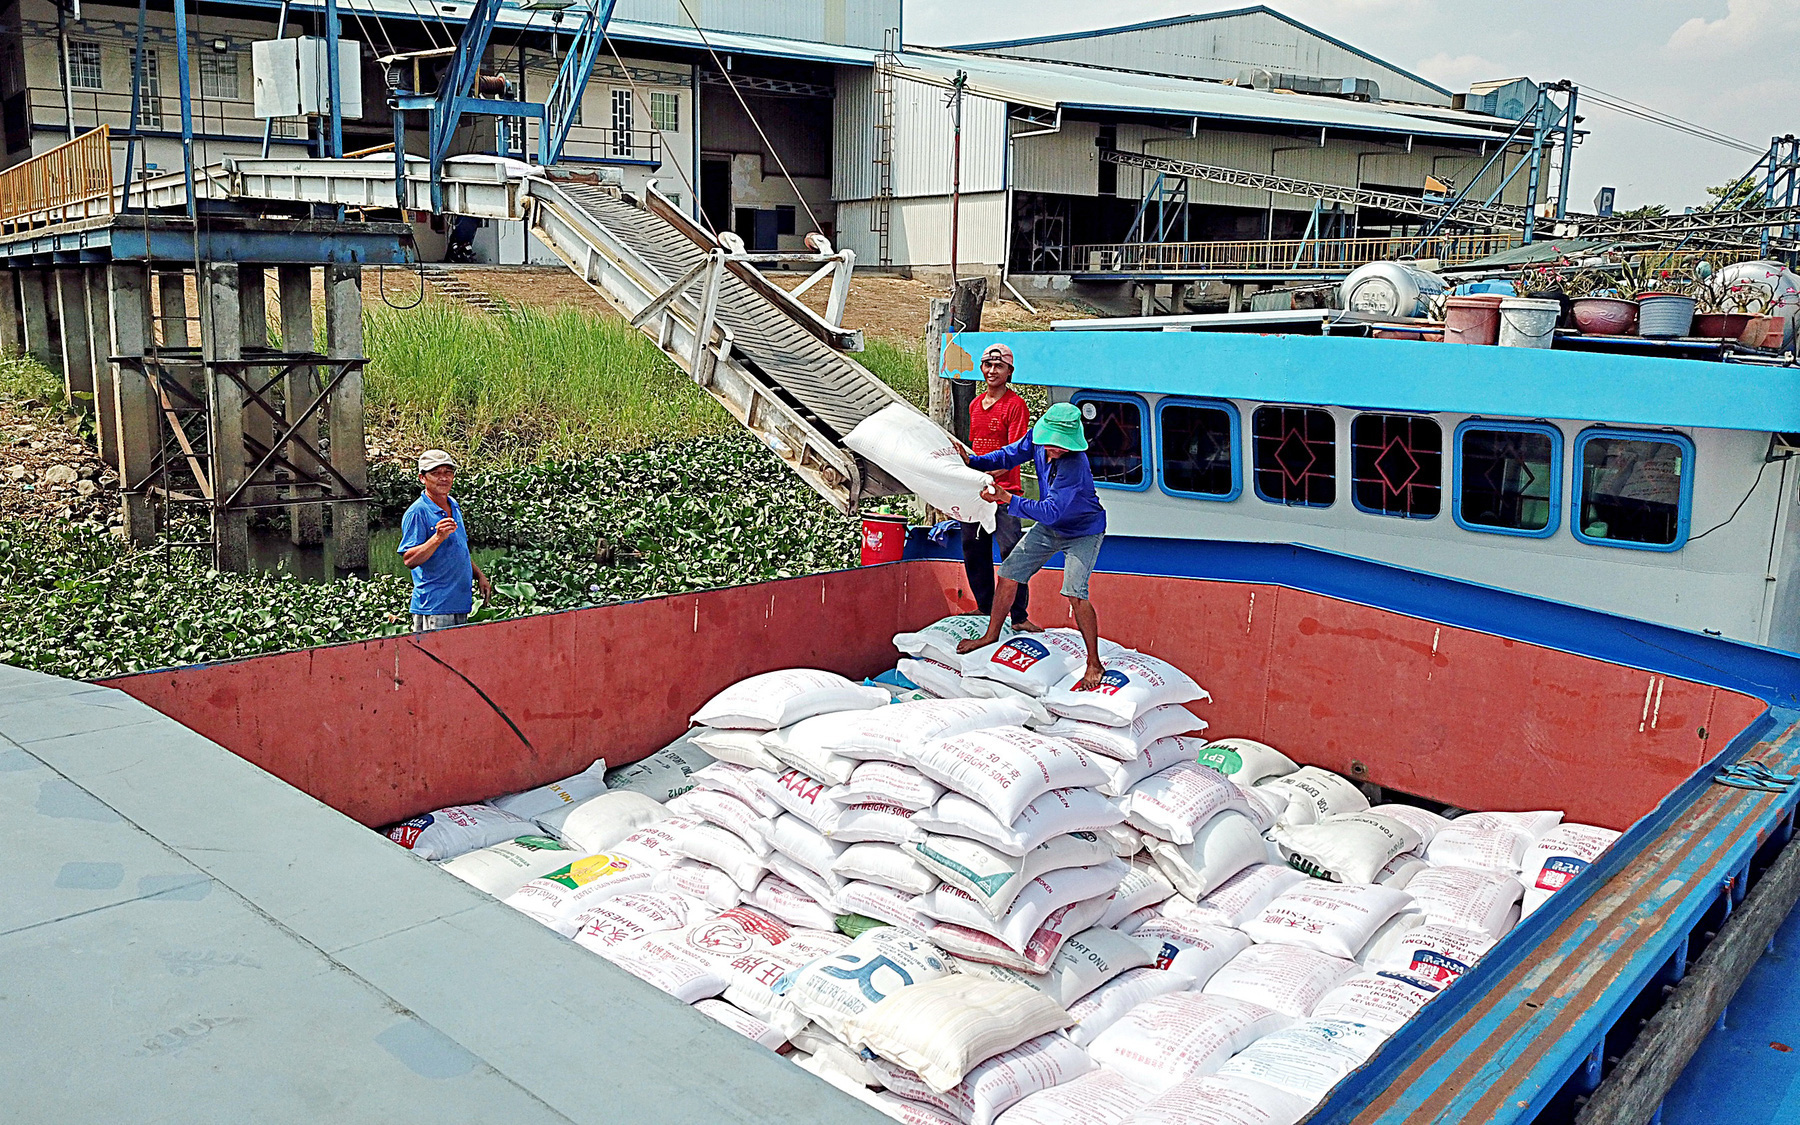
<point x="70" y="182"/>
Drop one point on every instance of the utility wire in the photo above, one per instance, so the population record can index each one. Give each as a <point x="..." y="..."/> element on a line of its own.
<point x="1627" y="102"/>
<point x="1668" y="121"/>
<point x="661" y="141"/>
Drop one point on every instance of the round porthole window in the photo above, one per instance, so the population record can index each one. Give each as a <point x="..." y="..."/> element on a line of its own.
<point x="1088" y="413"/>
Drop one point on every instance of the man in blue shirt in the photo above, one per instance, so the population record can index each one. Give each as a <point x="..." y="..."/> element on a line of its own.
<point x="1069" y="519"/>
<point x="434" y="543"/>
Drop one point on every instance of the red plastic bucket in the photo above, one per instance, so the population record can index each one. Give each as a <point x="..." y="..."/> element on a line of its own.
<point x="883" y="539"/>
<point x="1474" y="319"/>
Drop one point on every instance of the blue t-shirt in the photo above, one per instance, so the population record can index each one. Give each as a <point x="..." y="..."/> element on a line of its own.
<point x="444" y="584"/>
<point x="1067" y="503"/>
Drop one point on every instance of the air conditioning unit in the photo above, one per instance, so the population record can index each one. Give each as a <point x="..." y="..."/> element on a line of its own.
<point x="293" y="77"/>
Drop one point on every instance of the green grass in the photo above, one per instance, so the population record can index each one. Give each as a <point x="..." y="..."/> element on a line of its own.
<point x="900" y="366"/>
<point x="23" y="379"/>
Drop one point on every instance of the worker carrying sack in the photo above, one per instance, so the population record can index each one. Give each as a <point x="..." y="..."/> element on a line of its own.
<point x="923" y="458"/>
<point x="778" y="699"/>
<point x="449" y="832"/>
<point x="940" y="1029"/>
<point x="1132" y="684"/>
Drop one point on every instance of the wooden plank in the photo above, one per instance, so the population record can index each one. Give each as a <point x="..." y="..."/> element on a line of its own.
<point x="1637" y="1086"/>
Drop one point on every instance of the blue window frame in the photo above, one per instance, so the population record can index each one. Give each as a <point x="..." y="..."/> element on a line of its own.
<point x="1633" y="489"/>
<point x="1118" y="433"/>
<point x="1293" y="452"/>
<point x="1397" y="465"/>
<point x="1197" y="443"/>
<point x="1508" y="478"/>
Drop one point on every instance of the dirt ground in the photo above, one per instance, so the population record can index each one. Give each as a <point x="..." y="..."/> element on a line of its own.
<point x="48" y="469"/>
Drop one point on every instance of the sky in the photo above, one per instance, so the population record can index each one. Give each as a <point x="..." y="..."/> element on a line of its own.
<point x="1725" y="64"/>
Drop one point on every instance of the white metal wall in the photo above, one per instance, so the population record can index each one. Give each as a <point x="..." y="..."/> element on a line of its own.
<point x="1066" y="162"/>
<point x="854" y="23"/>
<point x="853" y="148"/>
<point x="921" y="230"/>
<point x="924" y="132"/>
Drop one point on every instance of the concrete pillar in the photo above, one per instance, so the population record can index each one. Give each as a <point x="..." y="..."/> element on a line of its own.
<point x="77" y="344"/>
<point x="294" y="286"/>
<point x="349" y="454"/>
<point x="1146" y="299"/>
<point x="253" y="333"/>
<point x="220" y="325"/>
<point x="134" y="404"/>
<point x="1237" y="302"/>
<point x="106" y="417"/>
<point x="172" y="325"/>
<point x="37" y="297"/>
<point x="12" y="334"/>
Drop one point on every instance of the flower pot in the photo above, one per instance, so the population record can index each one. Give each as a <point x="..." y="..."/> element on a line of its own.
<point x="1662" y="316"/>
<point x="1605" y="316"/>
<point x="1721" y="326"/>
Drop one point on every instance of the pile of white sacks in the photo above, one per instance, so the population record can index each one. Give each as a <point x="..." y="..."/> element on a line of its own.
<point x="1001" y="898"/>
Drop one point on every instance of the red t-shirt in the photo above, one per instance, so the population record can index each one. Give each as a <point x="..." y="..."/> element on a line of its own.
<point x="995" y="427"/>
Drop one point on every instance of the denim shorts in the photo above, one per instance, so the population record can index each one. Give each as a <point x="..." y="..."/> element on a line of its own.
<point x="1033" y="551"/>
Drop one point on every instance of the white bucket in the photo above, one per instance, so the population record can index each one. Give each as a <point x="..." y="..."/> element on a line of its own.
<point x="1528" y="322"/>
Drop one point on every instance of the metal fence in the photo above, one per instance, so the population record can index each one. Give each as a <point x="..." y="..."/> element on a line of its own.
<point x="69" y="182"/>
<point x="1280" y="254"/>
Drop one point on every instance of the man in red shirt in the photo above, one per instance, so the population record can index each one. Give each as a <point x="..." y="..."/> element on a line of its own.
<point x="997" y="418"/>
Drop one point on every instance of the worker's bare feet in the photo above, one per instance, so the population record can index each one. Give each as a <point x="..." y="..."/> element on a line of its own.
<point x="1092" y="680"/>
<point x="1027" y="626"/>
<point x="963" y="648"/>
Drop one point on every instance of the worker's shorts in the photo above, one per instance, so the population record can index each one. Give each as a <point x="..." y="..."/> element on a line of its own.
<point x="426" y="622"/>
<point x="1033" y="551"/>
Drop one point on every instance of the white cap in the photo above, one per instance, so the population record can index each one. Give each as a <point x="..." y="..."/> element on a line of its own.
<point x="432" y="458"/>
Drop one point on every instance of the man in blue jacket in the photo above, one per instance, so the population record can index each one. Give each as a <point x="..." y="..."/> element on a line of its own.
<point x="1069" y="519"/>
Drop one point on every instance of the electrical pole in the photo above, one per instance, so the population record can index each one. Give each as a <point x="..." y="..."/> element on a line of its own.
<point x="956" y="104"/>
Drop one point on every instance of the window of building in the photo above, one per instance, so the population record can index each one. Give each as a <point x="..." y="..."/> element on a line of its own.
<point x="150" y="91"/>
<point x="1197" y="445"/>
<point x="1116" y="433"/>
<point x="1397" y="465"/>
<point x="1633" y="488"/>
<point x="784" y="218"/>
<point x="665" y="111"/>
<point x="84" y="65"/>
<point x="1508" y="478"/>
<point x="219" y="76"/>
<point x="621" y="123"/>
<point x="1294" y="455"/>
<point x="512" y="136"/>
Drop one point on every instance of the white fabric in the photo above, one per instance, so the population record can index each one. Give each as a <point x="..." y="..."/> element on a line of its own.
<point x="822" y="889"/>
<point x="1423" y="821"/>
<point x="942" y="1028"/>
<point x="1334" y="918"/>
<point x="1386" y="937"/>
<point x="1239" y="898"/>
<point x="1177" y="802"/>
<point x="1435" y="952"/>
<point x="1224" y="846"/>
<point x="888" y="783"/>
<point x="1126" y="742"/>
<point x="940" y="680"/>
<point x="533" y="803"/>
<point x="457" y="830"/>
<point x="712" y="845"/>
<point x="1090" y="959"/>
<point x="922" y="457"/>
<point x="1006" y="768"/>
<point x="1171" y="1038"/>
<point x="598" y="823"/>
<point x="885" y="865"/>
<point x="1099" y="1009"/>
<point x="839" y="1066"/>
<point x="1035" y="902"/>
<point x="776" y="699"/>
<point x="1144" y="885"/>
<point x="653" y="845"/>
<point x="938" y="640"/>
<point x="662" y="776"/>
<point x="743" y="1023"/>
<point x="884" y="904"/>
<point x="721" y="810"/>
<point x="790" y="904"/>
<point x="557" y="898"/>
<point x="746" y="783"/>
<point x="1051" y="814"/>
<point x="501" y="869"/>
<point x="1034" y="662"/>
<point x="629" y="917"/>
<point x="1265" y="804"/>
<point x="999" y="1083"/>
<point x="1352" y="848"/>
<point x="801" y="842"/>
<point x="1563" y="853"/>
<point x="1533" y="824"/>
<point x="806" y="797"/>
<point x="1245" y="760"/>
<point x="699" y="881"/>
<point x="1133" y="683"/>
<point x="1125" y="841"/>
<point x="1195" y="950"/>
<point x="872" y="820"/>
<point x="669" y="967"/>
<point x="992" y="877"/>
<point x="1130" y="923"/>
<point x="1098" y="1097"/>
<point x="1154" y="758"/>
<point x="1384" y="1000"/>
<point x="1288" y="978"/>
<point x="895" y="732"/>
<point x="1040" y="949"/>
<point x="1212" y="1099"/>
<point x="737" y="747"/>
<point x="976" y="687"/>
<point x="1399" y="871"/>
<point x="807" y="746"/>
<point x="1307" y="1059"/>
<point x="1499" y="848"/>
<point x="878" y="964"/>
<point x="1463" y="896"/>
<point x="1314" y="794"/>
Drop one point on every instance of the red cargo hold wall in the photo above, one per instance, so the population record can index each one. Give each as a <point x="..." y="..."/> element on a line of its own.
<point x="384" y="729"/>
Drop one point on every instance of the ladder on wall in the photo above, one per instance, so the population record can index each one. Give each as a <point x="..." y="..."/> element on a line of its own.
<point x="881" y="219"/>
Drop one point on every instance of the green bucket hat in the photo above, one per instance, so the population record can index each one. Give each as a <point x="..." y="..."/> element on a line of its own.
<point x="1061" y="426"/>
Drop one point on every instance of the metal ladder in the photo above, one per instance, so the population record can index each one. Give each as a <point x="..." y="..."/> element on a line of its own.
<point x="881" y="219"/>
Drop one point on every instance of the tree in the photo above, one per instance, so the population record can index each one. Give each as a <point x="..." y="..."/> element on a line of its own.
<point x="1730" y="197"/>
<point x="1647" y="211"/>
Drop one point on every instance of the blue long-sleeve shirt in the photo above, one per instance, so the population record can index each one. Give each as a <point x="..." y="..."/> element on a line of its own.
<point x="1067" y="501"/>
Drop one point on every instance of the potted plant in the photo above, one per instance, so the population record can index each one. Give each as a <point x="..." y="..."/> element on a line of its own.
<point x="1665" y="311"/>
<point x="1725" y="309"/>
<point x="1602" y="304"/>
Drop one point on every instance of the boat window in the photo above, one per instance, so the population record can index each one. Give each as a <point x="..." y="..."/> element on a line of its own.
<point x="1632" y="488"/>
<point x="1197" y="448"/>
<point x="1508" y="478"/>
<point x="1397" y="465"/>
<point x="1294" y="455"/>
<point x="1116" y="439"/>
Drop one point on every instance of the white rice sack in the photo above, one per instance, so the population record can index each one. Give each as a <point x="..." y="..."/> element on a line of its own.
<point x="996" y="1085"/>
<point x="1387" y="937"/>
<point x="449" y="832"/>
<point x="992" y="878"/>
<point x="1265" y="804"/>
<point x="888" y="783"/>
<point x="842" y="1068"/>
<point x="938" y="640"/>
<point x="501" y="869"/>
<point x="1177" y="802"/>
<point x="1124" y="743"/>
<point x="1090" y="959"/>
<point x="777" y="699"/>
<point x="849" y="982"/>
<point x="873" y="821"/>
<point x="743" y="1023"/>
<point x="801" y="842"/>
<point x="1435" y="952"/>
<point x="653" y="845"/>
<point x="1239" y="898"/>
<point x="533" y="803"/>
<point x="747" y="783"/>
<point x="1054" y="813"/>
<point x="975" y="687"/>
<point x="1101" y="1008"/>
<point x="714" y="846"/>
<point x="790" y="904"/>
<point x="1144" y="885"/>
<point x="921" y="456"/>
<point x="1126" y="842"/>
<point x="1034" y="662"/>
<point x="1133" y="683"/>
<point x="809" y="745"/>
<point x="1224" y="846"/>
<point x="1533" y="824"/>
<point x="1384" y="1000"/>
<point x="1041" y="896"/>
<point x="1098" y="1097"/>
<point x="662" y="776"/>
<point x="1213" y="1099"/>
<point x="1039" y="951"/>
<point x="1499" y="849"/>
<point x="759" y="1000"/>
<point x="940" y="680"/>
<point x="1171" y="1038"/>
<point x="940" y="1029"/>
<point x="1423" y="821"/>
<point x="894" y="733"/>
<point x="722" y="810"/>
<point x="806" y="797"/>
<point x="1352" y="848"/>
<point x="822" y="889"/>
<point x="558" y="898"/>
<point x="1245" y="760"/>
<point x="1399" y="871"/>
<point x="1131" y="922"/>
<point x="1463" y="896"/>
<point x="699" y="881"/>
<point x="1314" y="794"/>
<point x="739" y="747"/>
<point x="1154" y="758"/>
<point x="669" y="968"/>
<point x="883" y="864"/>
<point x="1288" y="978"/>
<point x="1194" y="950"/>
<point x="884" y="904"/>
<point x="1334" y="918"/>
<point x="1563" y="853"/>
<point x="1307" y="1059"/>
<point x="1006" y="768"/>
<point x="740" y="940"/>
<point x="624" y="918"/>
